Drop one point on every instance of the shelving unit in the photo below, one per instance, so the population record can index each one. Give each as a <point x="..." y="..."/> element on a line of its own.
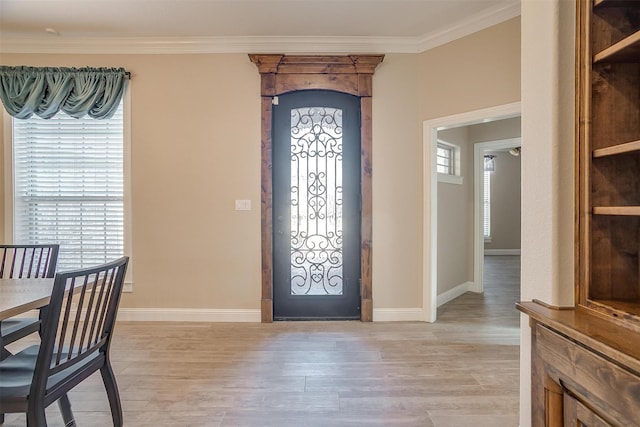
<point x="625" y="50"/>
<point x="586" y="358"/>
<point x="627" y="147"/>
<point x="616" y="3"/>
<point x="617" y="210"/>
<point x="609" y="166"/>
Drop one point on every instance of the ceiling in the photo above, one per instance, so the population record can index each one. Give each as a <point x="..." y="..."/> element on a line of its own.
<point x="320" y="25"/>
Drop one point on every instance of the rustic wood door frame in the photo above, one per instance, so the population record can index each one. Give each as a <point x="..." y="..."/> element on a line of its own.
<point x="350" y="74"/>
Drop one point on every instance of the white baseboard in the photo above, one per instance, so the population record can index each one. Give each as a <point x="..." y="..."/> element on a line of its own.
<point x="454" y="293"/>
<point x="502" y="251"/>
<point x="188" y="315"/>
<point x="238" y="315"/>
<point x="473" y="287"/>
<point x="398" y="315"/>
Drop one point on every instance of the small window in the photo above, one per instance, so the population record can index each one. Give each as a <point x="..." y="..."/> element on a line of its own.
<point x="445" y="159"/>
<point x="448" y="163"/>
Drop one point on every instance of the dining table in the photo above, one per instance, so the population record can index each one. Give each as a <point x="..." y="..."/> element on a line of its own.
<point x="19" y="296"/>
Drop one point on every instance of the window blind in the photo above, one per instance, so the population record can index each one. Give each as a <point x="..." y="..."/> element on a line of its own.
<point x="486" y="213"/>
<point x="68" y="186"/>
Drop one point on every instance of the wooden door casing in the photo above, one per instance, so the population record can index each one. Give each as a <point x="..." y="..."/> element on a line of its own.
<point x="350" y="74"/>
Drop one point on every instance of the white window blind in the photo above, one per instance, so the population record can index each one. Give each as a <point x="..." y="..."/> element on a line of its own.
<point x="69" y="185"/>
<point x="487" y="204"/>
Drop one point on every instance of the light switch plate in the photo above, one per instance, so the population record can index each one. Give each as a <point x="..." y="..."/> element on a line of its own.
<point x="243" y="205"/>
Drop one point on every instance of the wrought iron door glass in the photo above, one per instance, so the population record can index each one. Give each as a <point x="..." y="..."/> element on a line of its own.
<point x="316" y="201"/>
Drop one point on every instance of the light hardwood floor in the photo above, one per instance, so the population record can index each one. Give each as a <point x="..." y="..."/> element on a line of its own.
<point x="460" y="371"/>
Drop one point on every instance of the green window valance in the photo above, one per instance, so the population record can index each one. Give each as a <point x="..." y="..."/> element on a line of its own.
<point x="44" y="91"/>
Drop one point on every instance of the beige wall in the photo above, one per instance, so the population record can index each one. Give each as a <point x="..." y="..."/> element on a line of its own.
<point x="478" y="71"/>
<point x="196" y="148"/>
<point x="496" y="130"/>
<point x="397" y="184"/>
<point x="455" y="216"/>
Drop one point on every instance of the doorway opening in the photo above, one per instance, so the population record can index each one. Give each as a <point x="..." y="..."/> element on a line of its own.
<point x="496" y="204"/>
<point x="475" y="244"/>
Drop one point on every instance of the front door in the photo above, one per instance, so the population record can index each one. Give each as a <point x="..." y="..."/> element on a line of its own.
<point x="316" y="205"/>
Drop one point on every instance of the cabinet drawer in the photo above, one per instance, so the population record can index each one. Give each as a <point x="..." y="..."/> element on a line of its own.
<point x="607" y="388"/>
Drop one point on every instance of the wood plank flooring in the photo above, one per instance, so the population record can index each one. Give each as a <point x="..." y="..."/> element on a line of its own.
<point x="460" y="371"/>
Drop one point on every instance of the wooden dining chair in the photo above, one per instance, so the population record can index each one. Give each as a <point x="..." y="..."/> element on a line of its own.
<point x="25" y="262"/>
<point x="75" y="340"/>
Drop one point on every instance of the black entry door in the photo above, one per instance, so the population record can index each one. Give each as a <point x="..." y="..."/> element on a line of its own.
<point x="316" y="206"/>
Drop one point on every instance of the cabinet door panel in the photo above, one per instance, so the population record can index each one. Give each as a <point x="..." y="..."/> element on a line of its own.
<point x="578" y="415"/>
<point x="606" y="386"/>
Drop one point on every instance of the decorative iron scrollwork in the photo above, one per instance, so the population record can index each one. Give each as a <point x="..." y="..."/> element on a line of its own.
<point x="316" y="201"/>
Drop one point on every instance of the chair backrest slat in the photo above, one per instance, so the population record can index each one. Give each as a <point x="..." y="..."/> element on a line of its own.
<point x="96" y="320"/>
<point x="39" y="264"/>
<point x="25" y="253"/>
<point x="104" y="309"/>
<point x="80" y="321"/>
<point x="89" y="324"/>
<point x="13" y="262"/>
<point x="80" y="324"/>
<point x="63" y="326"/>
<point x="2" y="264"/>
<point x="28" y="261"/>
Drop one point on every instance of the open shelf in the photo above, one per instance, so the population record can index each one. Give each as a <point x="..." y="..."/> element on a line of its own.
<point x="616" y="3"/>
<point x="615" y="184"/>
<point x="621" y="306"/>
<point x="626" y="50"/>
<point x="628" y="147"/>
<point x="617" y="210"/>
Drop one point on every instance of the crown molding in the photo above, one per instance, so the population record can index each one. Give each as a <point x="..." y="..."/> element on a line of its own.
<point x="480" y="21"/>
<point x="191" y="45"/>
<point x="11" y="43"/>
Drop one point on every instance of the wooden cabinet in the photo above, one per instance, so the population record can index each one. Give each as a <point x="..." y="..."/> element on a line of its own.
<point x="585" y="368"/>
<point x="608" y="76"/>
<point x="586" y="358"/>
